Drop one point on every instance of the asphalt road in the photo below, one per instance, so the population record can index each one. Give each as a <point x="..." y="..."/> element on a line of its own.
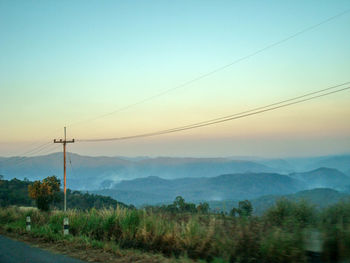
<point x="18" y="252"/>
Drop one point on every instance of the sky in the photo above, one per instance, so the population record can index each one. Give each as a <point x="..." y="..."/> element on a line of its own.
<point x="66" y="63"/>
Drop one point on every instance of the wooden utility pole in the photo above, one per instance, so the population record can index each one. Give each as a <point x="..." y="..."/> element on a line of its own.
<point x="64" y="142"/>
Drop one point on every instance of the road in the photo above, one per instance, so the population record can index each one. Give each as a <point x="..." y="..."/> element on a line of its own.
<point x="18" y="252"/>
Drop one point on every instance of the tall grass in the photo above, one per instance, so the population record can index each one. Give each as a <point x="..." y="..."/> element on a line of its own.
<point x="277" y="236"/>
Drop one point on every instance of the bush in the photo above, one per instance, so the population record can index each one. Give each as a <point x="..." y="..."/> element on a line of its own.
<point x="291" y="214"/>
<point x="335" y="222"/>
<point x="281" y="246"/>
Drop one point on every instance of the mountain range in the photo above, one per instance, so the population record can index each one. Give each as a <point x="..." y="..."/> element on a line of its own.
<point x="85" y="172"/>
<point x="146" y="180"/>
<point x="153" y="190"/>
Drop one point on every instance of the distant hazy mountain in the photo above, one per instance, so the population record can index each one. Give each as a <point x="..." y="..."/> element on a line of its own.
<point x="347" y="172"/>
<point x="91" y="173"/>
<point x="342" y="162"/>
<point x="152" y="190"/>
<point x="323" y="177"/>
<point x="86" y="172"/>
<point x="302" y="164"/>
<point x="339" y="162"/>
<point x="277" y="164"/>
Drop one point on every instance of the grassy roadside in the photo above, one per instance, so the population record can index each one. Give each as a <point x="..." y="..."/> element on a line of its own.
<point x="86" y="249"/>
<point x="277" y="236"/>
<point x="49" y="237"/>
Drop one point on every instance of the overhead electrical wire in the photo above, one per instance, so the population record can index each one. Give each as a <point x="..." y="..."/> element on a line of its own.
<point x="44" y="150"/>
<point x="70" y="162"/>
<point x="205" y="75"/>
<point x="263" y="107"/>
<point x="31" y="152"/>
<point x="35" y="149"/>
<point x="259" y="110"/>
<point x="218" y="69"/>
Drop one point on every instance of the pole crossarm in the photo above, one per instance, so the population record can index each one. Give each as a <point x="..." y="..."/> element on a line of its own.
<point x="63" y="141"/>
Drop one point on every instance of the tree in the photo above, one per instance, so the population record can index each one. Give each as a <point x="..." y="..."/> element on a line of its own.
<point x="203" y="208"/>
<point x="233" y="212"/>
<point x="179" y="203"/>
<point x="45" y="192"/>
<point x="189" y="207"/>
<point x="245" y="208"/>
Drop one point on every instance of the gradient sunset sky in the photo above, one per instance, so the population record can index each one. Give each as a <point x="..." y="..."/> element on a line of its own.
<point x="67" y="62"/>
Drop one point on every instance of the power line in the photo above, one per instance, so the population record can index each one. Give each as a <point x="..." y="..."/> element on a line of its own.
<point x="184" y="84"/>
<point x="214" y="71"/>
<point x="49" y="151"/>
<point x="31" y="152"/>
<point x="23" y="159"/>
<point x="70" y="162"/>
<point x="42" y="152"/>
<point x="270" y="107"/>
<point x="35" y="149"/>
<point x="263" y="107"/>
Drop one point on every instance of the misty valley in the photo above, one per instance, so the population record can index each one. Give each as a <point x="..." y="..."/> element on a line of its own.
<point x="221" y="182"/>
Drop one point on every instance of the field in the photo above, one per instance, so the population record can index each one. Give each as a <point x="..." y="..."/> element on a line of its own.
<point x="280" y="235"/>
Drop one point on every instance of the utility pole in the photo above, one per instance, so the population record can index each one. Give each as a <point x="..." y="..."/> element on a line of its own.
<point x="64" y="142"/>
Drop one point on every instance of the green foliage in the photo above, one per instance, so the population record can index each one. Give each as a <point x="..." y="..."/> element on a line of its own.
<point x="244" y="209"/>
<point x="84" y="201"/>
<point x="45" y="192"/>
<point x="335" y="221"/>
<point x="246" y="242"/>
<point x="15" y="192"/>
<point x="180" y="206"/>
<point x="277" y="236"/>
<point x="233" y="212"/>
<point x="203" y="208"/>
<point x="282" y="246"/>
<point x="286" y="212"/>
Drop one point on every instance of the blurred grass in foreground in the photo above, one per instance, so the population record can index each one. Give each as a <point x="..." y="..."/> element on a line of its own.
<point x="280" y="235"/>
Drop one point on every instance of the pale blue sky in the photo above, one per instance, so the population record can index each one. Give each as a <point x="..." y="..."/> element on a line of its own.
<point x="62" y="62"/>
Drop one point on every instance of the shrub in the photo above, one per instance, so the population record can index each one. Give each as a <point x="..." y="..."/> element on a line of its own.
<point x="290" y="214"/>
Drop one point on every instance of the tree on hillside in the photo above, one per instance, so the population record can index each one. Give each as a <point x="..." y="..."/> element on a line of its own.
<point x="45" y="192"/>
<point x="180" y="206"/>
<point x="179" y="203"/>
<point x="244" y="209"/>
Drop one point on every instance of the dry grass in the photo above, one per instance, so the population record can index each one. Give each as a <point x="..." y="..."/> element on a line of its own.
<point x="275" y="237"/>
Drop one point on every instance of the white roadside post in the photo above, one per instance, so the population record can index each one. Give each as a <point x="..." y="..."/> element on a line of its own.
<point x="28" y="227"/>
<point x="65" y="226"/>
